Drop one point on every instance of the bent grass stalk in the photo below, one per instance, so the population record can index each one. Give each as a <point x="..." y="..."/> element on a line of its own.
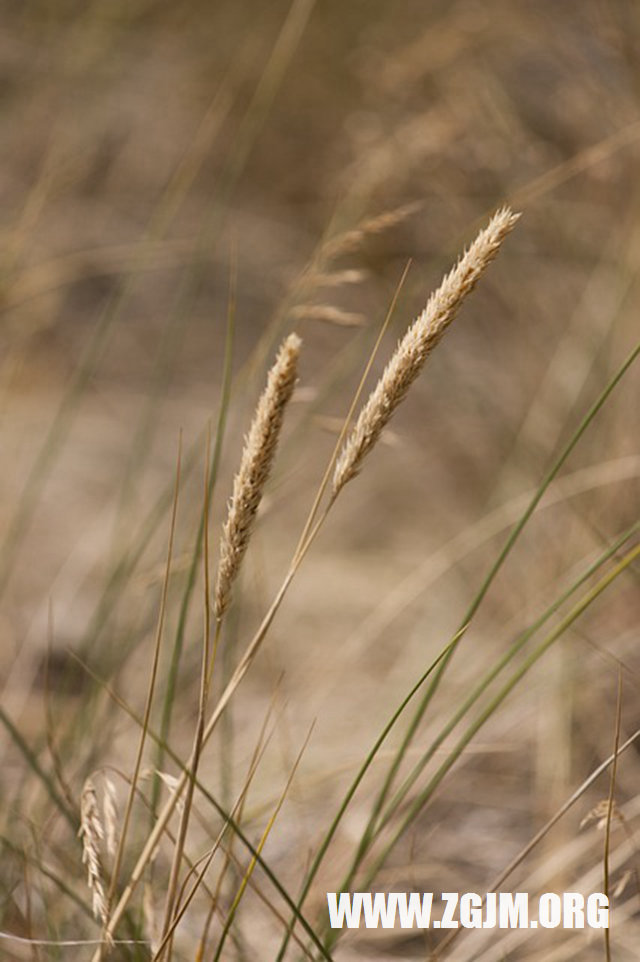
<point x="310" y="276"/>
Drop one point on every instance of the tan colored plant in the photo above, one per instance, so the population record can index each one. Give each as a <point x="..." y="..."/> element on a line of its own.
<point x="255" y="465"/>
<point x="256" y="461"/>
<point x="91" y="832"/>
<point x="416" y="345"/>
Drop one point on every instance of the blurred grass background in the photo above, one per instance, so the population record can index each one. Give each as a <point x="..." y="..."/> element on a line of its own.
<point x="152" y="154"/>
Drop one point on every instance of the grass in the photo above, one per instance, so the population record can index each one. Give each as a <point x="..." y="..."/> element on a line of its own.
<point x="409" y="622"/>
<point x="386" y="812"/>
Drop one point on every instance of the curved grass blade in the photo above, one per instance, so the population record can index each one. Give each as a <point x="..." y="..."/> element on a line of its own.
<point x="479" y="598"/>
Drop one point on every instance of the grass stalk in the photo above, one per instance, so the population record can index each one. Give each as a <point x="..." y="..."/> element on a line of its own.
<point x="477" y="601"/>
<point x="606" y="887"/>
<point x="497" y="669"/>
<point x="254" y="860"/>
<point x="419" y="803"/>
<point x="355" y="784"/>
<point x="176" y="656"/>
<point x="149" y="700"/>
<point x="200" y="722"/>
<point x="497" y="883"/>
<point x="482" y="686"/>
<point x="224" y="815"/>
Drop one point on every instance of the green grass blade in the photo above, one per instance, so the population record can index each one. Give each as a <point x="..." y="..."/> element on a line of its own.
<point x="481" y="594"/>
<point x="566" y="622"/>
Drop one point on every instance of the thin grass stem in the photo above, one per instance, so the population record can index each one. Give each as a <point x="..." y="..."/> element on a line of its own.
<point x="477" y="601"/>
<point x="150" y="693"/>
<point x="418" y="804"/>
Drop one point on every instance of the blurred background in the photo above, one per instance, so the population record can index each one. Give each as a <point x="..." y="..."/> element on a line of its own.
<point x="166" y="167"/>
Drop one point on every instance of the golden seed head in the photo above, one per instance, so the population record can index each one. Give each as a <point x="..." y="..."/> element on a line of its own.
<point x="416" y="345"/>
<point x="255" y="466"/>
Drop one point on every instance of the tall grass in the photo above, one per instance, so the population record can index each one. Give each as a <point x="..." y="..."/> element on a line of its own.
<point x="392" y="814"/>
<point x="172" y="800"/>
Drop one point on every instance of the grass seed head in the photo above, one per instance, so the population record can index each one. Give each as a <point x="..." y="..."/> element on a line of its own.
<point x="416" y="345"/>
<point x="110" y="810"/>
<point x="255" y="466"/>
<point x="91" y="832"/>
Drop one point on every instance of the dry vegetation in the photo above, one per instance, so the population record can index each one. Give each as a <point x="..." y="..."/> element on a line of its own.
<point x="230" y="681"/>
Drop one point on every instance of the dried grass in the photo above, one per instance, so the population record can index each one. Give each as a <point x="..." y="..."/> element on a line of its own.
<point x="255" y="466"/>
<point x="110" y="810"/>
<point x="414" y="348"/>
<point x="351" y="240"/>
<point x="329" y="314"/>
<point x="91" y="832"/>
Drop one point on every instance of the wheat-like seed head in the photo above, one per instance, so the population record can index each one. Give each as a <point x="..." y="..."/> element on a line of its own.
<point x="110" y="810"/>
<point x="92" y="833"/>
<point x="416" y="345"/>
<point x="350" y="240"/>
<point x="255" y="465"/>
<point x="328" y="313"/>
